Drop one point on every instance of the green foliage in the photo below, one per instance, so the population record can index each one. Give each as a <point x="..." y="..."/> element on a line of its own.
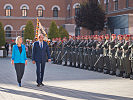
<point x="63" y="33"/>
<point x="53" y="31"/>
<point x="2" y="35"/>
<point x="29" y="31"/>
<point x="91" y="16"/>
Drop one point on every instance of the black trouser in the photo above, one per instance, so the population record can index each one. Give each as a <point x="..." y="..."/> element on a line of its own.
<point x="19" y="67"/>
<point x="7" y="52"/>
<point x="40" y="71"/>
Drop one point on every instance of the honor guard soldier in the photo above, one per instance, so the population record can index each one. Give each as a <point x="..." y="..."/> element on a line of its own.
<point x="112" y="50"/>
<point x="90" y="63"/>
<point x="118" y="56"/>
<point x="125" y="56"/>
<point x="94" y="54"/>
<point x="131" y="56"/>
<point x="106" y="69"/>
<point x="99" y="51"/>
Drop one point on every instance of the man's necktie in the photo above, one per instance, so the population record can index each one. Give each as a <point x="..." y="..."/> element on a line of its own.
<point x="41" y="45"/>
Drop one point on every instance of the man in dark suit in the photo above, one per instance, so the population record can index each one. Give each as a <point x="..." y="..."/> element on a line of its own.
<point x="39" y="52"/>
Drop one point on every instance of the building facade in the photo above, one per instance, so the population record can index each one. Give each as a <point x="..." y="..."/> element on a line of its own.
<point x="119" y="16"/>
<point x="14" y="15"/>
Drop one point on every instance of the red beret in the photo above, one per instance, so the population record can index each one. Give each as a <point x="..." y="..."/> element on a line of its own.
<point x="113" y="34"/>
<point x="107" y="35"/>
<point x="127" y="35"/>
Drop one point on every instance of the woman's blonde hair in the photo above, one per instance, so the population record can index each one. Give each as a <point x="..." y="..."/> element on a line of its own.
<point x="17" y="39"/>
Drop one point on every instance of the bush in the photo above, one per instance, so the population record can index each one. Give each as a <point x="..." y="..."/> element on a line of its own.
<point x="29" y="31"/>
<point x="63" y="33"/>
<point x="53" y="31"/>
<point x="2" y="35"/>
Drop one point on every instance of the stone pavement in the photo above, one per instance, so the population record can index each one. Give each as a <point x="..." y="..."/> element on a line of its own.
<point x="62" y="83"/>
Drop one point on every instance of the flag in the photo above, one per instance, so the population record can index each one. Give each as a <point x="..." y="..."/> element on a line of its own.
<point x="40" y="30"/>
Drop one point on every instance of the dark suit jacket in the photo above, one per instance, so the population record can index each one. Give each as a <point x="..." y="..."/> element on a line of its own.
<point x="37" y="54"/>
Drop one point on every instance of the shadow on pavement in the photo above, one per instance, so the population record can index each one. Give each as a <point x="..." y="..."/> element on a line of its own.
<point x="29" y="94"/>
<point x="77" y="93"/>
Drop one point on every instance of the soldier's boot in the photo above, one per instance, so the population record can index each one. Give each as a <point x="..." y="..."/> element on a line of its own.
<point x="60" y="62"/>
<point x="86" y="67"/>
<point x="78" y="66"/>
<point x="53" y="60"/>
<point x="82" y="66"/>
<point x="65" y="64"/>
<point x="74" y="65"/>
<point x="95" y="69"/>
<point x="91" y="68"/>
<point x="70" y="64"/>
<point x="106" y="71"/>
<point x="112" y="72"/>
<point x="100" y="70"/>
<point x="126" y="75"/>
<point x="131" y="76"/>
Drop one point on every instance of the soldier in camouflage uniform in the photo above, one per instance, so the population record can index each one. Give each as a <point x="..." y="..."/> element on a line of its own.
<point x="131" y="57"/>
<point x="99" y="51"/>
<point x="86" y="58"/>
<point x="90" y="63"/>
<point x="83" y="52"/>
<point x="59" y="56"/>
<point x="118" y="56"/>
<point x="112" y="50"/>
<point x="94" y="54"/>
<point x="67" y="50"/>
<point x="106" y="69"/>
<point x="125" y="56"/>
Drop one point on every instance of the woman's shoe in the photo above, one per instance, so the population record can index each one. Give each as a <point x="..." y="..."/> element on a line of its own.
<point x="19" y="84"/>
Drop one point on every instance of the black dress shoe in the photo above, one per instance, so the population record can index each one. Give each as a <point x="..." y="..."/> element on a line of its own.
<point x="42" y="84"/>
<point x="38" y="85"/>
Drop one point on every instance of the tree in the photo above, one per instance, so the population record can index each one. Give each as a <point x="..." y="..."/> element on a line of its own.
<point x="53" y="31"/>
<point x="91" y="16"/>
<point x="29" y="31"/>
<point x="2" y="35"/>
<point x="63" y="32"/>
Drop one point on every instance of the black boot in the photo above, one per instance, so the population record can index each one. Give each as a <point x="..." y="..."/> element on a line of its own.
<point x="78" y="66"/>
<point x="70" y="64"/>
<point x="65" y="64"/>
<point x="126" y="75"/>
<point x="74" y="65"/>
<point x="82" y="66"/>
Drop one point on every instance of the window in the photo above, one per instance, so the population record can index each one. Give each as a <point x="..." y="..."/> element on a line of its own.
<point x="107" y="6"/>
<point x="55" y="12"/>
<point x="77" y="31"/>
<point x="116" y="4"/>
<point x="40" y="12"/>
<point x="127" y="3"/>
<point x="69" y="12"/>
<point x="23" y="31"/>
<point x="8" y="32"/>
<point x="77" y="10"/>
<point x="24" y="11"/>
<point x="8" y="11"/>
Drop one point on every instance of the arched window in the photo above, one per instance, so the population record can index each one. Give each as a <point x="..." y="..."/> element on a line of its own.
<point x="40" y="12"/>
<point x="8" y="31"/>
<point x="24" y="11"/>
<point x="127" y="3"/>
<point x="8" y="11"/>
<point x="23" y="31"/>
<point x="77" y="31"/>
<point x="116" y="4"/>
<point x="69" y="10"/>
<point x="107" y="6"/>
<point x="77" y="10"/>
<point x="55" y="12"/>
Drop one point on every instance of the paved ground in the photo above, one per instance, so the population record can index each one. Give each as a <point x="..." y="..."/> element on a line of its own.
<point x="62" y="83"/>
